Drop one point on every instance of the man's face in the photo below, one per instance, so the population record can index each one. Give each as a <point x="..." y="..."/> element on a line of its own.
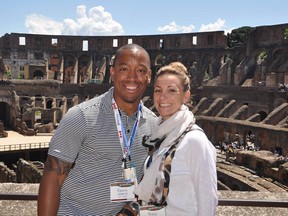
<point x="130" y="74"/>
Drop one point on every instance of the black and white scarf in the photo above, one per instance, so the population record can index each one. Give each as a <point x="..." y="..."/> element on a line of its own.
<point x="154" y="186"/>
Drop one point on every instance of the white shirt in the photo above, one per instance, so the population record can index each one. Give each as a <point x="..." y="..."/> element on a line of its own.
<point x="193" y="179"/>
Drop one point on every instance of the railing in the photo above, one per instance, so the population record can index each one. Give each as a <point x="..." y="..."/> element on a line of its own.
<point x="25" y="146"/>
<point x="18" y="196"/>
<point x="254" y="203"/>
<point x="221" y="202"/>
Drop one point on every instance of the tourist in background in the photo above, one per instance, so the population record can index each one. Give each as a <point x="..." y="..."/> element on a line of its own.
<point x="88" y="152"/>
<point x="180" y="170"/>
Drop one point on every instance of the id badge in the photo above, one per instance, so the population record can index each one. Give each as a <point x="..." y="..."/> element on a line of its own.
<point x="130" y="175"/>
<point x="122" y="191"/>
<point x="152" y="210"/>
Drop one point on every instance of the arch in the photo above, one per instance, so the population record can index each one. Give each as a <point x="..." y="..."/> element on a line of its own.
<point x="159" y="60"/>
<point x="59" y="102"/>
<point x="38" y="74"/>
<point x="279" y="63"/>
<point x="249" y="140"/>
<point x="69" y="68"/>
<point x="103" y="65"/>
<point x="263" y="115"/>
<point x="5" y="114"/>
<point x="190" y="58"/>
<point x="173" y="57"/>
<point x="38" y="101"/>
<point x="49" y="104"/>
<point x="83" y="65"/>
<point x="37" y="117"/>
<point x="277" y="53"/>
<point x="207" y="67"/>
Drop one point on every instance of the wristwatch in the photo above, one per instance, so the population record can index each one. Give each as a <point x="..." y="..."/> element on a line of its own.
<point x="134" y="206"/>
<point x="131" y="209"/>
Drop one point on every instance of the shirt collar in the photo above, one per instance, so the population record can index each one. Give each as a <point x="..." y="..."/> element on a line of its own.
<point x="106" y="104"/>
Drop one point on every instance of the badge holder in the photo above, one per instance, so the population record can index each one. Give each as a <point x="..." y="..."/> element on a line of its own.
<point x="152" y="210"/>
<point x="123" y="191"/>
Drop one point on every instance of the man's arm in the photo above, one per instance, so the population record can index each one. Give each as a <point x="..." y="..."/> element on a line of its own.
<point x="55" y="172"/>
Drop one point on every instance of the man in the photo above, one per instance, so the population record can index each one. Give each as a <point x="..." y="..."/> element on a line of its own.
<point x="88" y="152"/>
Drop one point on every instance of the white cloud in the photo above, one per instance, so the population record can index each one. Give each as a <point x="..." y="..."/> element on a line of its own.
<point x="96" y="22"/>
<point x="39" y="24"/>
<point x="219" y="25"/>
<point x="173" y="27"/>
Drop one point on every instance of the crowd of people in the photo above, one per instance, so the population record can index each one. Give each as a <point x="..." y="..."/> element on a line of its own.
<point x="229" y="147"/>
<point x="283" y="87"/>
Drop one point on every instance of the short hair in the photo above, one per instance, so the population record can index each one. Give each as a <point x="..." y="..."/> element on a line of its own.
<point x="130" y="47"/>
<point x="178" y="69"/>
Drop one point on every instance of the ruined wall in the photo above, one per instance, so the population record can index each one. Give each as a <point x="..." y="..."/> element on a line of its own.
<point x="25" y="172"/>
<point x="41" y="57"/>
<point x="36" y="87"/>
<point x="266" y="163"/>
<point x="261" y="60"/>
<point x="257" y="98"/>
<point x="268" y="137"/>
<point x="6" y="174"/>
<point x="29" y="172"/>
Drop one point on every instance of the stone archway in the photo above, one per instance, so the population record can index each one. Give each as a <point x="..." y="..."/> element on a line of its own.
<point x="69" y="69"/>
<point x="5" y="114"/>
<point x="263" y="115"/>
<point x="173" y="57"/>
<point x="38" y="74"/>
<point x="83" y="73"/>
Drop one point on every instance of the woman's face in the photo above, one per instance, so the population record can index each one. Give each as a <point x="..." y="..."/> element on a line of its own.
<point x="169" y="95"/>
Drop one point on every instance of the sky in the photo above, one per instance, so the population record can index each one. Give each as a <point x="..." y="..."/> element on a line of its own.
<point x="132" y="17"/>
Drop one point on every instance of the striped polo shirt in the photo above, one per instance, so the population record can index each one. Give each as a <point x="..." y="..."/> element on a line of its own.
<point x="87" y="136"/>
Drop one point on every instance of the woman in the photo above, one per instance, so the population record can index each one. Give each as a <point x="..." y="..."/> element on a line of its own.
<point x="180" y="170"/>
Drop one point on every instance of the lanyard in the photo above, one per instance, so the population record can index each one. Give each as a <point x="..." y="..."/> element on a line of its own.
<point x="125" y="145"/>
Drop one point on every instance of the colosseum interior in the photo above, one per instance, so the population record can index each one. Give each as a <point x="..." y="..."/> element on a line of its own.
<point x="239" y="95"/>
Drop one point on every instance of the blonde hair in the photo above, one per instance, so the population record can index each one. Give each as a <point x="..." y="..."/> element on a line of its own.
<point x="178" y="69"/>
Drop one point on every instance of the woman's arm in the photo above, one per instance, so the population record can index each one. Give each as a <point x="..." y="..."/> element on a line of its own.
<point x="203" y="163"/>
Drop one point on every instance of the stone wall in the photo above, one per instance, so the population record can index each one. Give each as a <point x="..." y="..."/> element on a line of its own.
<point x="6" y="174"/>
<point x="3" y="133"/>
<point x="28" y="172"/>
<point x="24" y="172"/>
<point x="265" y="163"/>
<point x="263" y="53"/>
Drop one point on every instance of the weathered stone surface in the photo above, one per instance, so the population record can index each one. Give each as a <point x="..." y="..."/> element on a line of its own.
<point x="28" y="172"/>
<point x="252" y="211"/>
<point x="18" y="208"/>
<point x="3" y="133"/>
<point x="29" y="208"/>
<point x="6" y="174"/>
<point x="265" y="162"/>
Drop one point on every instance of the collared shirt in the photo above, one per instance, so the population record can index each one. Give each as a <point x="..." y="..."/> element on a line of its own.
<point x="87" y="135"/>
